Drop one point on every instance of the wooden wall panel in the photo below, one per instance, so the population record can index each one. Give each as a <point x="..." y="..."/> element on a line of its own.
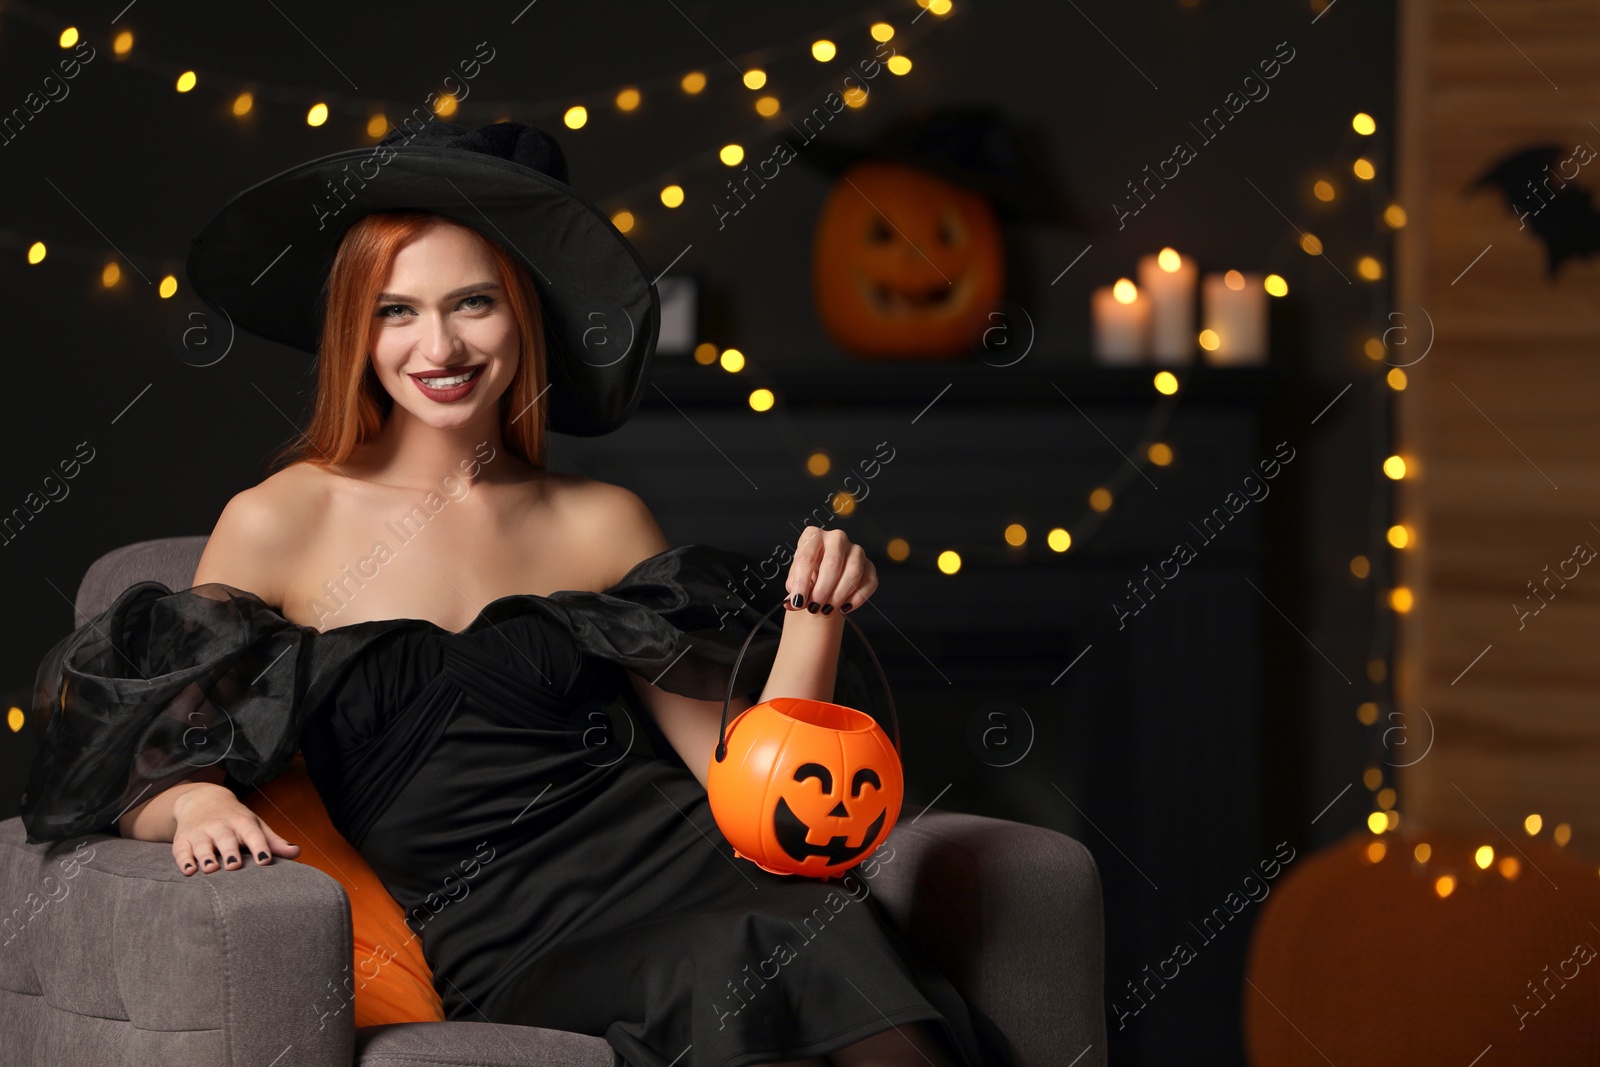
<point x="1519" y="731"/>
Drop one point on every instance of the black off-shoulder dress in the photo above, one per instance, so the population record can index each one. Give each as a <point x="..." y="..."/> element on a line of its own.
<point x="507" y="786"/>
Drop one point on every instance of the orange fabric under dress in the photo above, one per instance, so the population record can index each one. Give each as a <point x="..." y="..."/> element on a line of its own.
<point x="388" y="980"/>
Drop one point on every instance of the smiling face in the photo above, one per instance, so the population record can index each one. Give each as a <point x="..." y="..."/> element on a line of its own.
<point x="905" y="263"/>
<point x="443" y="313"/>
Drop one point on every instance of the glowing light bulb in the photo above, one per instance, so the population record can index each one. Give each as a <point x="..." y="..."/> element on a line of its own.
<point x="1124" y="291"/>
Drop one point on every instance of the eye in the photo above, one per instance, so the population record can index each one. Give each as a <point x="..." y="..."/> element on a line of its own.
<point x="863" y="776"/>
<point x="878" y="232"/>
<point x="487" y="301"/>
<point x="817" y="771"/>
<point x="383" y="312"/>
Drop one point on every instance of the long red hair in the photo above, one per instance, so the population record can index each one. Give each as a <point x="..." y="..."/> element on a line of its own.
<point x="351" y="404"/>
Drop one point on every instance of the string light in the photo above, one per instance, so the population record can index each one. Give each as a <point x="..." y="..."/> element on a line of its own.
<point x="123" y="44"/>
<point x="1275" y="285"/>
<point x="1058" y="539"/>
<point x="186" y="81"/>
<point x="949" y="561"/>
<point x="623" y="221"/>
<point x="762" y="400"/>
<point x="899" y="64"/>
<point x="1396" y="378"/>
<point x="754" y="78"/>
<point x="1311" y="244"/>
<point x="69" y="37"/>
<point x="732" y="360"/>
<point x="1395" y="468"/>
<point x="317" y="115"/>
<point x="36" y="252"/>
<point x="1100" y="499"/>
<point x="672" y="195"/>
<point x="731" y="154"/>
<point x="628" y="100"/>
<point x="693" y="82"/>
<point x="1166" y="382"/>
<point x="1323" y="190"/>
<point x="823" y="51"/>
<point x="575" y="117"/>
<point x="898" y="549"/>
<point x="1363" y="124"/>
<point x="1016" y="534"/>
<point x="1363" y="169"/>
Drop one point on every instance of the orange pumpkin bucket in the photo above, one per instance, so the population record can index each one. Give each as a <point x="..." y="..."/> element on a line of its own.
<point x="801" y="786"/>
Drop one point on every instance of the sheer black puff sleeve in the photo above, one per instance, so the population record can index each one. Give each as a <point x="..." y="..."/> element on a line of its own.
<point x="679" y="618"/>
<point x="162" y="684"/>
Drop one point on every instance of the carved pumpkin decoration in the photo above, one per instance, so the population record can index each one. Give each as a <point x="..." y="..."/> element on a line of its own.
<point x="906" y="264"/>
<point x="806" y="787"/>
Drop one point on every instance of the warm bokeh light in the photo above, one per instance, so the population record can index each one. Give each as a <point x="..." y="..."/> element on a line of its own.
<point x="1422" y="852"/>
<point x="949" y="561"/>
<point x="1373" y="347"/>
<point x="1169" y="260"/>
<point x="1058" y="539"/>
<point x="767" y="106"/>
<point x="446" y="105"/>
<point x="1510" y="868"/>
<point x="732" y="360"/>
<point x="1016" y="534"/>
<point x="1311" y="243"/>
<point x="1166" y="382"/>
<point x="1392" y="817"/>
<point x="245" y="101"/>
<point x="899" y="64"/>
<point x="1275" y="285"/>
<point x="693" y="82"/>
<point x="1100" y="499"/>
<point x="855" y="96"/>
<point x="1395" y="216"/>
<point x="1367" y="714"/>
<point x="36" y="252"/>
<point x="15" y="718"/>
<point x="1399" y="535"/>
<point x="1445" y="885"/>
<point x="731" y="154"/>
<point x="1386" y="798"/>
<point x="1395" y="467"/>
<point x="623" y="221"/>
<point x="575" y="117"/>
<point x="186" y="81"/>
<point x="110" y="275"/>
<point x="762" y="400"/>
<point x="377" y="126"/>
<point x="1124" y="291"/>
<point x="938" y="7"/>
<point x="1377" y="822"/>
<point x="898" y="549"/>
<point x="818" y="464"/>
<point x="317" y="115"/>
<point x="1363" y="124"/>
<point x="1369" y="268"/>
<point x="123" y="44"/>
<point x="1483" y="857"/>
<point x="822" y="51"/>
<point x="69" y="37"/>
<point x="755" y="78"/>
<point x="1360" y="566"/>
<point x="168" y="286"/>
<point x="1209" y="340"/>
<point x="1396" y="379"/>
<point x="1400" y="599"/>
<point x="1323" y="190"/>
<point x="1363" y="169"/>
<point x="1533" y="824"/>
<point x="1160" y="454"/>
<point x="672" y="195"/>
<point x="1561" y="834"/>
<point x="705" y="353"/>
<point x="1233" y="280"/>
<point x="628" y="100"/>
<point x="1376" y="850"/>
<point x="843" y="503"/>
<point x="881" y="31"/>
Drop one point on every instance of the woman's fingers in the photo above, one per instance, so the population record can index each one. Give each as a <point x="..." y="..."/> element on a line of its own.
<point x="836" y="557"/>
<point x="253" y="840"/>
<point x="277" y="845"/>
<point x="227" y="843"/>
<point x="803" y="569"/>
<point x="183" y="854"/>
<point x="856" y="582"/>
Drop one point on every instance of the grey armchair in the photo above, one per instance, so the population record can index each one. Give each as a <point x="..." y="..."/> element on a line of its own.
<point x="109" y="955"/>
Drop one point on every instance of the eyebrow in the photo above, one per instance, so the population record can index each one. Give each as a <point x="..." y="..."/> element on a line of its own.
<point x="396" y="298"/>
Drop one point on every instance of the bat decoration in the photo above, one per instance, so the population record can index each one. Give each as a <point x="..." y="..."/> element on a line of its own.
<point x="1537" y="183"/>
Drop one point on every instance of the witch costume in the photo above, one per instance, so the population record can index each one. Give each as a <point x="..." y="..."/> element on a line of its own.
<point x="609" y="904"/>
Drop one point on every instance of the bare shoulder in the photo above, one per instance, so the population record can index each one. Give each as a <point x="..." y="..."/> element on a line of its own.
<point x="610" y="524"/>
<point x="256" y="537"/>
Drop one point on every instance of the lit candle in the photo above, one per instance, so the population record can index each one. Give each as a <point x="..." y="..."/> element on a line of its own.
<point x="1169" y="280"/>
<point x="1234" y="314"/>
<point x="1121" y="323"/>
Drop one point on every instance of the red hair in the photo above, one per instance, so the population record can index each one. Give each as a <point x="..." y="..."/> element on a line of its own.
<point x="351" y="404"/>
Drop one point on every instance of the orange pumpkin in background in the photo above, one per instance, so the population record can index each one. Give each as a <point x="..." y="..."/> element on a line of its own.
<point x="906" y="264"/>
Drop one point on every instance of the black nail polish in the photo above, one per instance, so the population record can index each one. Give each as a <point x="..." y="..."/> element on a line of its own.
<point x="812" y="607"/>
<point x="233" y="859"/>
<point x="797" y="600"/>
<point x="845" y="607"/>
<point x="208" y="863"/>
<point x="261" y="857"/>
<point x="188" y="866"/>
<point x="826" y="608"/>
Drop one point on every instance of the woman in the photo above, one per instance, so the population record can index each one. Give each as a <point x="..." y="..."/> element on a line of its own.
<point x="332" y="611"/>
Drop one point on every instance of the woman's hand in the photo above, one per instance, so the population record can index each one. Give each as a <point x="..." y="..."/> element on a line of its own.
<point x="213" y="826"/>
<point x="827" y="572"/>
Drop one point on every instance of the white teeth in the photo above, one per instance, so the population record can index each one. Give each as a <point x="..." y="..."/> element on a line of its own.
<point x="448" y="383"/>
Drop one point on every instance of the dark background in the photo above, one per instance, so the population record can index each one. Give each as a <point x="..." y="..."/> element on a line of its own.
<point x="1181" y="749"/>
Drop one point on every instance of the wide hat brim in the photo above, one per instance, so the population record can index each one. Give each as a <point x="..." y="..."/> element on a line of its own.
<point x="263" y="259"/>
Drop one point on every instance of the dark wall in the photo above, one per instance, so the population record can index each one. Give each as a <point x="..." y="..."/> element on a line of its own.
<point x="1107" y="88"/>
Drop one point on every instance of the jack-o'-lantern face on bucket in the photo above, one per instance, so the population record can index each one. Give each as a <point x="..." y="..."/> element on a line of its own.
<point x="905" y="263"/>
<point x="824" y="819"/>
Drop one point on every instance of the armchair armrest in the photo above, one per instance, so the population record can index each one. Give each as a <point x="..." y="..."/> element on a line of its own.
<point x="108" y="954"/>
<point x="1012" y="915"/>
